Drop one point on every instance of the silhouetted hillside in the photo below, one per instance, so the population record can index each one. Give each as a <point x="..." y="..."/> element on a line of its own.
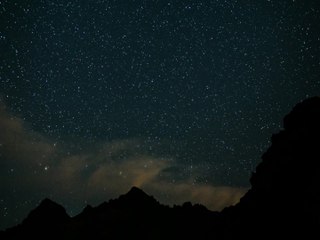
<point x="138" y="215"/>
<point x="48" y="219"/>
<point x="284" y="200"/>
<point x="285" y="195"/>
<point x="133" y="215"/>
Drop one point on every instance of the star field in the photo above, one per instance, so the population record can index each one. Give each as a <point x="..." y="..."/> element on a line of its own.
<point x="180" y="95"/>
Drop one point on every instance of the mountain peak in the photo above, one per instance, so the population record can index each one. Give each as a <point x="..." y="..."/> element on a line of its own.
<point x="135" y="191"/>
<point x="47" y="211"/>
<point x="48" y="202"/>
<point x="50" y="206"/>
<point x="305" y="115"/>
<point x="137" y="197"/>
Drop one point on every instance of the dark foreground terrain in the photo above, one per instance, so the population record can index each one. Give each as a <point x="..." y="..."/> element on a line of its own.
<point x="283" y="202"/>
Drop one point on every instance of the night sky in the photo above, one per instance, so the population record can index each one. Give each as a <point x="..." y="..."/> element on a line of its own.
<point x="179" y="98"/>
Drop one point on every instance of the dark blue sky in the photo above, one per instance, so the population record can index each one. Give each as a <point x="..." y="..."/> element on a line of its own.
<point x="178" y="97"/>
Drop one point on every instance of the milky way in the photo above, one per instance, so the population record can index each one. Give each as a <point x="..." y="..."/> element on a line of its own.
<point x="179" y="98"/>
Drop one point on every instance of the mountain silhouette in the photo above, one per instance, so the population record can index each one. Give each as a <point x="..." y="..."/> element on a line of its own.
<point x="283" y="201"/>
<point x="48" y="219"/>
<point x="132" y="215"/>
<point x="48" y="212"/>
<point x="137" y="215"/>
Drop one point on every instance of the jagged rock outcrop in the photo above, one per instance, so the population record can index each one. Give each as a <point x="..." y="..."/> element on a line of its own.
<point x="133" y="215"/>
<point x="284" y="199"/>
<point x="47" y="221"/>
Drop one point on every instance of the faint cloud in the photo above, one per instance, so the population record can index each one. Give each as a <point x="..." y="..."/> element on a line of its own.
<point x="213" y="197"/>
<point x="137" y="171"/>
<point x="21" y="148"/>
<point x="104" y="171"/>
